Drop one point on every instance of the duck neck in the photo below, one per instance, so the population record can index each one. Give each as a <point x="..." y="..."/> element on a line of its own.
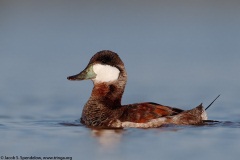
<point x="109" y="94"/>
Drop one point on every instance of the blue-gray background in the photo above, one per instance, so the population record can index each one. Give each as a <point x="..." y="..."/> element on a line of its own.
<point x="178" y="53"/>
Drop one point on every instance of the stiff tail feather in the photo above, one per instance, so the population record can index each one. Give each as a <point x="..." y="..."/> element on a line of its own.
<point x="211" y="121"/>
<point x="212" y="102"/>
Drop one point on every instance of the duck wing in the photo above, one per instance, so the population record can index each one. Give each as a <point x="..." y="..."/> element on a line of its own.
<point x="144" y="112"/>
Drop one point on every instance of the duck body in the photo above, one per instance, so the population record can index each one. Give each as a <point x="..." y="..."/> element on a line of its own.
<point x="104" y="108"/>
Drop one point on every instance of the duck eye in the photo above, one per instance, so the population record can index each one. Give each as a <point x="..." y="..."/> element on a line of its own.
<point x="104" y="61"/>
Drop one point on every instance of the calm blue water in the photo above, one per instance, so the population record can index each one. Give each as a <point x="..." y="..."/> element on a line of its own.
<point x="179" y="53"/>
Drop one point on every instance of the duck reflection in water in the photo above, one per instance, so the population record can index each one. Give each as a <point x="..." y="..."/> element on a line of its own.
<point x="108" y="138"/>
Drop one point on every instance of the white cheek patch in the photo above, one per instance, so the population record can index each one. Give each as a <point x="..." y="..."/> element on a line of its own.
<point x="105" y="73"/>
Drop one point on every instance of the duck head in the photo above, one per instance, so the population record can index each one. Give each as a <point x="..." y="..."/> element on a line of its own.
<point x="104" y="67"/>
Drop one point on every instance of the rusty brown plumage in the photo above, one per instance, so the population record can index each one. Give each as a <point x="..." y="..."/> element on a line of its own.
<point x="144" y="112"/>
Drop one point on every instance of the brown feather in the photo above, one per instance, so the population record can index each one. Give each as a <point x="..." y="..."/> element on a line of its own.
<point x="144" y="112"/>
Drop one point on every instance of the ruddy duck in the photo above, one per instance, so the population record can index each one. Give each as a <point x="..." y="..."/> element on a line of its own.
<point x="104" y="108"/>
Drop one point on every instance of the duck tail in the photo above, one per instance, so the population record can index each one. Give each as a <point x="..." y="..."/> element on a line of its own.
<point x="212" y="102"/>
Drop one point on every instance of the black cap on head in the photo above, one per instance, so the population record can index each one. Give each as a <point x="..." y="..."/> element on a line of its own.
<point x="106" y="57"/>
